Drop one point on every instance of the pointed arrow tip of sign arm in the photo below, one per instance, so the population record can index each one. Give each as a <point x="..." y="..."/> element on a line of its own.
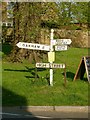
<point x="18" y="44"/>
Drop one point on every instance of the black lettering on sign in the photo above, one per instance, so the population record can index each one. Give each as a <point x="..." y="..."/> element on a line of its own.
<point x="50" y="65"/>
<point x="39" y="64"/>
<point x="55" y="66"/>
<point x="26" y="45"/>
<point x="59" y="66"/>
<point x="38" y="46"/>
<point x="32" y="45"/>
<point x="35" y="46"/>
<point x="42" y="47"/>
<point x="23" y="45"/>
<point x="44" y="65"/>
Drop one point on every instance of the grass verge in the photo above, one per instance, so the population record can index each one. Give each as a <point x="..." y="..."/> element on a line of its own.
<point x="21" y="88"/>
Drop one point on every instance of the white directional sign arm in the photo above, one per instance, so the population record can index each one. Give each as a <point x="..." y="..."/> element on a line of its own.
<point x="61" y="41"/>
<point x="66" y="41"/>
<point x="34" y="46"/>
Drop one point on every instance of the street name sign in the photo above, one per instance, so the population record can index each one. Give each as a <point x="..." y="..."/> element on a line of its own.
<point x="61" y="48"/>
<point x="34" y="46"/>
<point x="49" y="65"/>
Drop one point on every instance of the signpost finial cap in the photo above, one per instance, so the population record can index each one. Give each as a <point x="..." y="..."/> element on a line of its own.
<point x="52" y="30"/>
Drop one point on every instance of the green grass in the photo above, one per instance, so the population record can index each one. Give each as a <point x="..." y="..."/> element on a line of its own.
<point x="21" y="88"/>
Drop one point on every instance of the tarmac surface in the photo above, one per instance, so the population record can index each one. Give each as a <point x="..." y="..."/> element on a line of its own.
<point x="45" y="112"/>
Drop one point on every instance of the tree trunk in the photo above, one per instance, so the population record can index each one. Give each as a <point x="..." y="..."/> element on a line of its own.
<point x="26" y="29"/>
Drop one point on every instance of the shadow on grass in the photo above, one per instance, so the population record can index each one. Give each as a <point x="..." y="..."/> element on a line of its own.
<point x="85" y="79"/>
<point x="27" y="70"/>
<point x="69" y="75"/>
<point x="12" y="106"/>
<point x="10" y="98"/>
<point x="33" y="71"/>
<point x="41" y="69"/>
<point x="34" y="74"/>
<point x="12" y="70"/>
<point x="36" y="77"/>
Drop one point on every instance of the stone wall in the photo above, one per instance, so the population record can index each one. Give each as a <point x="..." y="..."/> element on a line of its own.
<point x="79" y="38"/>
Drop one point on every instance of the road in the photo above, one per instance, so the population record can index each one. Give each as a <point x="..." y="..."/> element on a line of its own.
<point x="19" y="113"/>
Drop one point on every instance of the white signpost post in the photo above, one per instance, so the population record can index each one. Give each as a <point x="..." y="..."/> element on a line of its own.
<point x="51" y="50"/>
<point x="60" y="45"/>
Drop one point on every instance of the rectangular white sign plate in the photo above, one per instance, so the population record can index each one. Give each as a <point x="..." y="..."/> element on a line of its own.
<point x="55" y="65"/>
<point x="34" y="46"/>
<point x="49" y="65"/>
<point x="61" y="42"/>
<point x="61" y="48"/>
<point x="42" y="65"/>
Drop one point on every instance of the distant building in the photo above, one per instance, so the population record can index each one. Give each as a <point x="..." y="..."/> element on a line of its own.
<point x="7" y="21"/>
<point x="7" y="24"/>
<point x="7" y="14"/>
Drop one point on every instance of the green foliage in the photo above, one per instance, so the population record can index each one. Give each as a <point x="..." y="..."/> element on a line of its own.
<point x="49" y="24"/>
<point x="6" y="48"/>
<point x="31" y="17"/>
<point x="73" y="12"/>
